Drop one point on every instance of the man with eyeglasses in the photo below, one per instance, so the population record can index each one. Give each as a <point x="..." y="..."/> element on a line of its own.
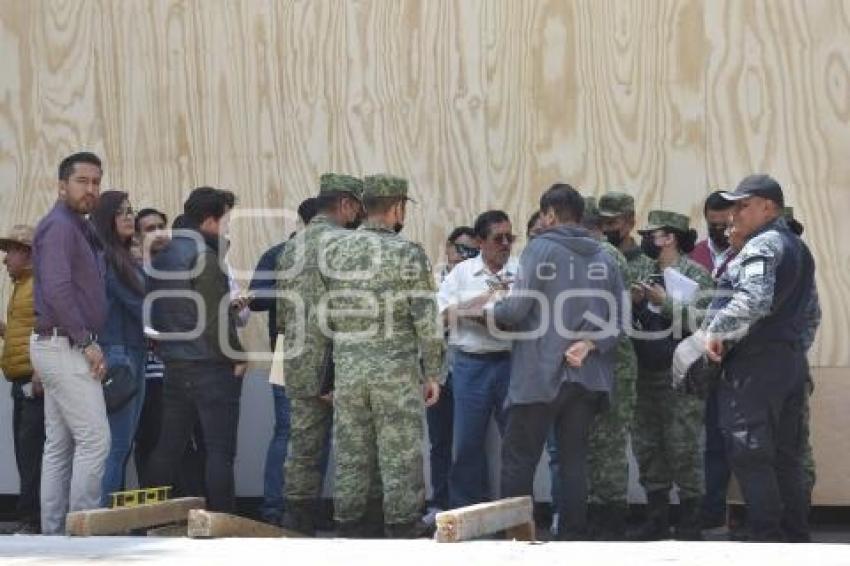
<point x="482" y="361"/>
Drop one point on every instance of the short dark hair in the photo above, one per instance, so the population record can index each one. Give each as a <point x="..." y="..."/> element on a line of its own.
<point x="380" y="205"/>
<point x="206" y="202"/>
<point x="328" y="202"/>
<point x="715" y="201"/>
<point x="486" y="219"/>
<point x="67" y="165"/>
<point x="567" y="202"/>
<point x="148" y="212"/>
<point x="308" y="209"/>
<point x="532" y="221"/>
<point x="460" y="231"/>
<point x="590" y="221"/>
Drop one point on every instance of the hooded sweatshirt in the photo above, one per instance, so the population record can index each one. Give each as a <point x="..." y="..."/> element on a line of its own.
<point x="568" y="289"/>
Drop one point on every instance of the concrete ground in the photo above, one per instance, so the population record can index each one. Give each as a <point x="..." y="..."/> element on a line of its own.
<point x="34" y="550"/>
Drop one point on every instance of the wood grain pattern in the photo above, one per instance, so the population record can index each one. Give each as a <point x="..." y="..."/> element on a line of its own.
<point x="480" y="103"/>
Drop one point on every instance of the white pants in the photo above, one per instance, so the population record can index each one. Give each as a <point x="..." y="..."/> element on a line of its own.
<point x="76" y="430"/>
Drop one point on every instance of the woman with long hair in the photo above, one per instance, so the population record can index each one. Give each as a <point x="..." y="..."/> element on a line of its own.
<point x="122" y="339"/>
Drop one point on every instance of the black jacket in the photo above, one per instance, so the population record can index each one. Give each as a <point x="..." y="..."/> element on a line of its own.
<point x="205" y="339"/>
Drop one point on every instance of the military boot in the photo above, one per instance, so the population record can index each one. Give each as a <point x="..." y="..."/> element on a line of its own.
<point x="657" y="523"/>
<point x="300" y="516"/>
<point x="373" y="521"/>
<point x="611" y="524"/>
<point x="689" y="525"/>
<point x="414" y="529"/>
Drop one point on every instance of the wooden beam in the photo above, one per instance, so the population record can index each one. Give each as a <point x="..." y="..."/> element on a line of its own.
<point x="122" y="520"/>
<point x="206" y="524"/>
<point x="515" y="515"/>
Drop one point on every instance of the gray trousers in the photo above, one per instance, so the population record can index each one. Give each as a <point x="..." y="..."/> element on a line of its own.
<point x="76" y="429"/>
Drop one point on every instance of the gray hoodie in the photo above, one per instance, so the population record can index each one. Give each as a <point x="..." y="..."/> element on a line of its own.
<point x="562" y="259"/>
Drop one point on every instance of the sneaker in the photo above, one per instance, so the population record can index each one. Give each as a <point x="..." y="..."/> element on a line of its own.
<point x="553" y="528"/>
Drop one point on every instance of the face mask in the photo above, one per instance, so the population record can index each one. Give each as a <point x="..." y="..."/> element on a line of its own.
<point x="649" y="247"/>
<point x="718" y="237"/>
<point x="353" y="225"/>
<point x="397" y="227"/>
<point x="614" y="237"/>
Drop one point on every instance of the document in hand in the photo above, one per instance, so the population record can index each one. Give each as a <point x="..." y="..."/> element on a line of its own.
<point x="276" y="376"/>
<point x="679" y="287"/>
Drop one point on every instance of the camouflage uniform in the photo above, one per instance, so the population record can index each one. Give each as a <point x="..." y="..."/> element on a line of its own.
<point x="378" y="396"/>
<point x="669" y="423"/>
<point x="305" y="344"/>
<point x="765" y="326"/>
<point x="607" y="459"/>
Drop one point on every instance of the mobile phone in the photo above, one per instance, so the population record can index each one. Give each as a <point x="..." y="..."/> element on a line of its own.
<point x="655" y="279"/>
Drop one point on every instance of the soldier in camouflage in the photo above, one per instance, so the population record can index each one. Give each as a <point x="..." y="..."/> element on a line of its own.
<point x="760" y="335"/>
<point x="307" y="347"/>
<point x="383" y="312"/>
<point x="668" y="423"/>
<point x="617" y="211"/>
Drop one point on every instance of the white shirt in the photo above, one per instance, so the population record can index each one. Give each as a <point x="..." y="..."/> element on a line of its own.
<point x="467" y="280"/>
<point x="718" y="257"/>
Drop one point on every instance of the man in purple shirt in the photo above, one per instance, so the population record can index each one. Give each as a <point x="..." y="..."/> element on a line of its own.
<point x="70" y="307"/>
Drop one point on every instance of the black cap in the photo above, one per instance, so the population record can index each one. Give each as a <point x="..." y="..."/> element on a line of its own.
<point x="763" y="186"/>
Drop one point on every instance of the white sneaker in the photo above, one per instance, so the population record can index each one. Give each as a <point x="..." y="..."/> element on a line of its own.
<point x="553" y="528"/>
<point x="430" y="517"/>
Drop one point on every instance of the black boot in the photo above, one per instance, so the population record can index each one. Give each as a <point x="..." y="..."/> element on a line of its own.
<point x="300" y="516"/>
<point x="595" y="521"/>
<point x="373" y="521"/>
<point x="415" y="529"/>
<point x="611" y="525"/>
<point x="657" y="523"/>
<point x="689" y="526"/>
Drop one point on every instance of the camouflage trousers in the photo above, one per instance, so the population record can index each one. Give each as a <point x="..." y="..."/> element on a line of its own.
<point x="608" y="462"/>
<point x="310" y="422"/>
<point x="667" y="431"/>
<point x="378" y="421"/>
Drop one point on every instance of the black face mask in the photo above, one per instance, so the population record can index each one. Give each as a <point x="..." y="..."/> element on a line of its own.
<point x="354" y="224"/>
<point x="718" y="236"/>
<point x="397" y="227"/>
<point x="614" y="237"/>
<point x="649" y="247"/>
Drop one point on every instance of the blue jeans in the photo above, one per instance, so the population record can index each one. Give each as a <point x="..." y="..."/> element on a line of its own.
<point x="716" y="465"/>
<point x="271" y="509"/>
<point x="480" y="385"/>
<point x="123" y="423"/>
<point x="554" y="470"/>
<point x="440" y="432"/>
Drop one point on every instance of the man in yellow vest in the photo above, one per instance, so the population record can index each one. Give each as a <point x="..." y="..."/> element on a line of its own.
<point x="27" y="394"/>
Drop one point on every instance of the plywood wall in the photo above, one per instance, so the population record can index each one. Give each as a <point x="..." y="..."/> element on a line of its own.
<point x="480" y="103"/>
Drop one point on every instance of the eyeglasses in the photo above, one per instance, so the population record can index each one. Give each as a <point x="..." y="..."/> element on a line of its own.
<point x="125" y="211"/>
<point x="503" y="238"/>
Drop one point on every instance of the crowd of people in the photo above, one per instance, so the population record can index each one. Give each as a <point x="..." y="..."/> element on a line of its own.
<point x="123" y="338"/>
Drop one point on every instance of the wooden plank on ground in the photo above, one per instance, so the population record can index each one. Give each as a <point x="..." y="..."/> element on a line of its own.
<point x="122" y="520"/>
<point x="206" y="524"/>
<point x="173" y="530"/>
<point x="485" y="519"/>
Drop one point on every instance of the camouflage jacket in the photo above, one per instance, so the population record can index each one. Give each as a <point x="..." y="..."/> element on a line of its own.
<point x="751" y="278"/>
<point x="640" y="267"/>
<point x="382" y="306"/>
<point x="298" y="316"/>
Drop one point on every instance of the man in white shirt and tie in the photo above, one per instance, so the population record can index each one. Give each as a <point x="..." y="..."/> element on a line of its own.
<point x="481" y="368"/>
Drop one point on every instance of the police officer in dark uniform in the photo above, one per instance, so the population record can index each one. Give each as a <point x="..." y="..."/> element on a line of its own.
<point x="756" y="335"/>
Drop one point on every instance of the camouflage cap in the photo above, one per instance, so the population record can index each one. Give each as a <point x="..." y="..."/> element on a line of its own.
<point x="666" y="219"/>
<point x="19" y="235"/>
<point x="385" y="186"/>
<point x="336" y="183"/>
<point x="613" y="204"/>
<point x="590" y="206"/>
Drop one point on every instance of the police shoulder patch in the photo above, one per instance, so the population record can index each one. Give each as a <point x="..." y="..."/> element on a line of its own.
<point x="754" y="268"/>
